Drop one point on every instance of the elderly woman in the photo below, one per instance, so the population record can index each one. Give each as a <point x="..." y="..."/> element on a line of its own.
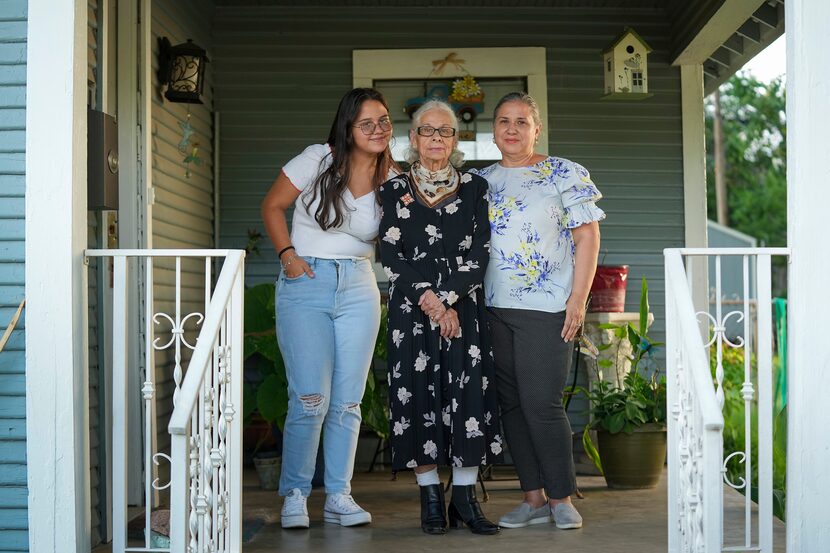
<point x="434" y="245"/>
<point x="545" y="240"/>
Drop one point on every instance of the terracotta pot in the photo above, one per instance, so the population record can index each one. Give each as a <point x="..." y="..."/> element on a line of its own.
<point x="608" y="289"/>
<point x="634" y="460"/>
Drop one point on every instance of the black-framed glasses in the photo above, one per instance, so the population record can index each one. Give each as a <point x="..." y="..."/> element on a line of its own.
<point x="368" y="127"/>
<point x="426" y="130"/>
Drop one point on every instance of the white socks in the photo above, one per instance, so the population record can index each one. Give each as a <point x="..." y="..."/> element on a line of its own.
<point x="428" y="478"/>
<point x="464" y="476"/>
<point x="461" y="476"/>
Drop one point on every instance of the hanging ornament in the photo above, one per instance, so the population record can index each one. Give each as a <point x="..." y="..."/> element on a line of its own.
<point x="466" y="97"/>
<point x="189" y="147"/>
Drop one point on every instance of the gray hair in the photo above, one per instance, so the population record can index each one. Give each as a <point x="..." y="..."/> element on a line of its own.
<point x="524" y="98"/>
<point x="456" y="156"/>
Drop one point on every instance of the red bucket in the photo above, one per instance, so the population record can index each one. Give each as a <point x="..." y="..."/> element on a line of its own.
<point x="608" y="289"/>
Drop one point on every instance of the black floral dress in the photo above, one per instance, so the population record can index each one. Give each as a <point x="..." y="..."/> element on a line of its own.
<point x="442" y="391"/>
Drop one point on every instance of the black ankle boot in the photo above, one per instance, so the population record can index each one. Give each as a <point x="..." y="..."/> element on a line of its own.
<point x="464" y="507"/>
<point x="433" y="515"/>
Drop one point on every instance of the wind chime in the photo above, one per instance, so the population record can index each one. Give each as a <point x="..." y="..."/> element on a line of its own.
<point x="189" y="147"/>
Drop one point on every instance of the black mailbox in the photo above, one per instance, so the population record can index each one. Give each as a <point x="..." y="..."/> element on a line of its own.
<point x="102" y="161"/>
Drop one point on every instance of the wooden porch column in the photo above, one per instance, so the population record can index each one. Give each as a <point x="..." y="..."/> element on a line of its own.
<point x="57" y="410"/>
<point x="808" y="198"/>
<point x="694" y="181"/>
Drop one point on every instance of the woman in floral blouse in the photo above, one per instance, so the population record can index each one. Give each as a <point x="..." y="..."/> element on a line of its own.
<point x="545" y="240"/>
<point x="434" y="245"/>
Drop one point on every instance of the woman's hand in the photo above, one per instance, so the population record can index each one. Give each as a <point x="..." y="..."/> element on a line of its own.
<point x="450" y="325"/>
<point x="431" y="305"/>
<point x="294" y="266"/>
<point x="574" y="317"/>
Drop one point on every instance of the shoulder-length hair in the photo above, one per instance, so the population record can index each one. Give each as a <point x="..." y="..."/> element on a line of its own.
<point x="333" y="182"/>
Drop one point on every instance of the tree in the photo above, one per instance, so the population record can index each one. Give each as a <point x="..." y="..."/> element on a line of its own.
<point x="755" y="133"/>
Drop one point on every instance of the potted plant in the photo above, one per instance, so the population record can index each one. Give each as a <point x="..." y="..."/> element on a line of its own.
<point x="629" y="414"/>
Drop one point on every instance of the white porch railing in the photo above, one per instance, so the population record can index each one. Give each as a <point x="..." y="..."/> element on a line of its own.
<point x="205" y="427"/>
<point x="697" y="468"/>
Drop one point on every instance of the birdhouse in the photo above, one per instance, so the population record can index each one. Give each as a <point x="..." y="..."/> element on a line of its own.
<point x="625" y="63"/>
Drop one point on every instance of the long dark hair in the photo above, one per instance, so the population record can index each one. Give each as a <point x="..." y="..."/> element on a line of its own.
<point x="332" y="183"/>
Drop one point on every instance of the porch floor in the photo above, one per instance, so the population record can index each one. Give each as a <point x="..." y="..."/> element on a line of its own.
<point x="615" y="520"/>
<point x="630" y="521"/>
<point x="621" y="521"/>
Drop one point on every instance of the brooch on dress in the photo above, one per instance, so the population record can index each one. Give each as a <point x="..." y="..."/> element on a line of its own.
<point x="407" y="199"/>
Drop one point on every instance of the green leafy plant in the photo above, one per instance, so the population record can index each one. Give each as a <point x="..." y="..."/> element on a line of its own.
<point x="266" y="392"/>
<point x="641" y="396"/>
<point x="374" y="407"/>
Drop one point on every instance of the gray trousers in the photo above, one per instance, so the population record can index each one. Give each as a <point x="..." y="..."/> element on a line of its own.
<point x="532" y="366"/>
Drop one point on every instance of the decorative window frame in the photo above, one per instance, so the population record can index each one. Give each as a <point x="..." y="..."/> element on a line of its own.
<point x="522" y="62"/>
<point x="528" y="63"/>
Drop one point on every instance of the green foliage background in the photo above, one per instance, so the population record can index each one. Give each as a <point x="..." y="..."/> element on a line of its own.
<point x="734" y="433"/>
<point x="755" y="135"/>
<point x="268" y="392"/>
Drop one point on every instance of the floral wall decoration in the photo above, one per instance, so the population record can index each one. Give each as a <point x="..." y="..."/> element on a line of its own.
<point x="463" y="94"/>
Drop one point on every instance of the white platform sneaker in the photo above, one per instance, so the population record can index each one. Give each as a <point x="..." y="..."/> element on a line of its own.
<point x="294" y="512"/>
<point x="343" y="510"/>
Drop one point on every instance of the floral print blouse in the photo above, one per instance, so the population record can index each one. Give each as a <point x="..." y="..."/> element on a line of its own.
<point x="532" y="211"/>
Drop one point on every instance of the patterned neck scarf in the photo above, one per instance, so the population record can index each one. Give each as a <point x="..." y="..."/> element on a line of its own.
<point x="433" y="187"/>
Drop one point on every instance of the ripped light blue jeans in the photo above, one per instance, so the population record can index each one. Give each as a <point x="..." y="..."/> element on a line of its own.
<point x="326" y="327"/>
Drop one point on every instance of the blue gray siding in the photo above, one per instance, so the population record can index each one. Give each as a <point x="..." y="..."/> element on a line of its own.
<point x="281" y="71"/>
<point x="13" y="490"/>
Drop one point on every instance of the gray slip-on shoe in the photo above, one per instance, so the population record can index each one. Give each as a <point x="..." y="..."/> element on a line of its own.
<point x="566" y="516"/>
<point x="525" y="515"/>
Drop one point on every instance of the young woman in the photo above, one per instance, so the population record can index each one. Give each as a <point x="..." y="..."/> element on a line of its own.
<point x="328" y="304"/>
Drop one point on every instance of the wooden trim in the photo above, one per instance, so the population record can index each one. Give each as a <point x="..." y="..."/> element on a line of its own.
<point x="731" y="15"/>
<point x="145" y="59"/>
<point x="107" y="50"/>
<point x="131" y="213"/>
<point x="57" y="416"/>
<point x="524" y="62"/>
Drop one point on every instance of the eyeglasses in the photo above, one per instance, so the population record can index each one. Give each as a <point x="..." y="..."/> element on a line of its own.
<point x="426" y="130"/>
<point x="368" y="127"/>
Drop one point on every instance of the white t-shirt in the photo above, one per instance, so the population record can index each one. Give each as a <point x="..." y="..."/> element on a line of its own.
<point x="354" y="238"/>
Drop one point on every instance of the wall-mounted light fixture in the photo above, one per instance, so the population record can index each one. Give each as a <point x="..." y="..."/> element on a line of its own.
<point x="182" y="69"/>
